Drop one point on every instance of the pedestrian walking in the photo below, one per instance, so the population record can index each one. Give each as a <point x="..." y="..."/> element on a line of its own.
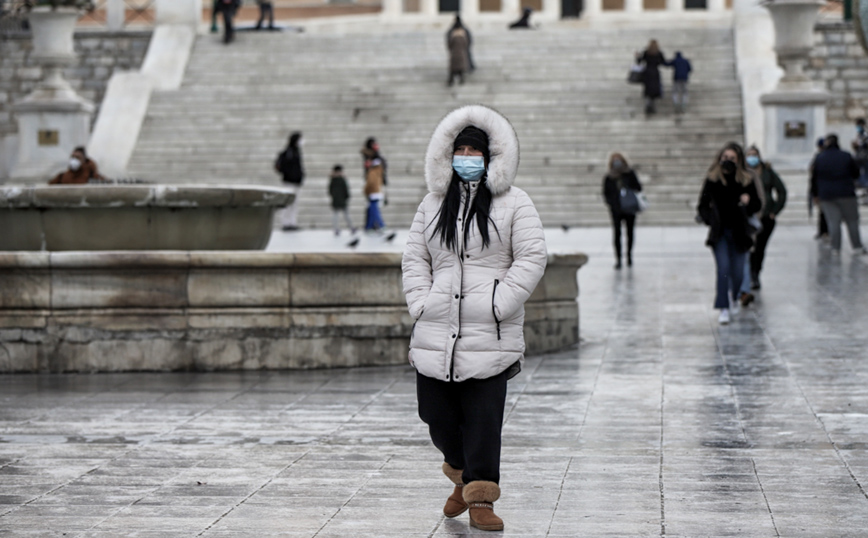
<point x="620" y="182"/>
<point x="728" y="196"/>
<point x="375" y="182"/>
<point x="289" y="165"/>
<point x="228" y="8"/>
<point x="822" y="229"/>
<point x="833" y="186"/>
<point x="339" y="192"/>
<point x="458" y="23"/>
<point x="681" y="69"/>
<point x="475" y="252"/>
<point x="459" y="53"/>
<point x="652" y="86"/>
<point x="774" y="199"/>
<point x="266" y="9"/>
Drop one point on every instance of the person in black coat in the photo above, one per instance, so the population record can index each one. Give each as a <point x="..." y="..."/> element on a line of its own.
<point x="619" y="177"/>
<point x="289" y="165"/>
<point x="652" y="85"/>
<point x="833" y="178"/>
<point x="228" y="9"/>
<point x="728" y="196"/>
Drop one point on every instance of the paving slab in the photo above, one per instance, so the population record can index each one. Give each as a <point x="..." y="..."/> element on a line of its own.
<point x="660" y="423"/>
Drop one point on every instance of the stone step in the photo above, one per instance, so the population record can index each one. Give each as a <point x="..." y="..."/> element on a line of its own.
<point x="570" y="110"/>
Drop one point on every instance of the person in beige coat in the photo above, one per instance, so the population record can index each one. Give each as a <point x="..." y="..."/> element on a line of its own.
<point x="475" y="252"/>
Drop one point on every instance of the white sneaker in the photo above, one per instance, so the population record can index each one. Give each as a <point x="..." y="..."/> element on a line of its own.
<point x="735" y="307"/>
<point x="724" y="316"/>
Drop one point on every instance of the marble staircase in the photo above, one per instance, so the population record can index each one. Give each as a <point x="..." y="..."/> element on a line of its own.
<point x="563" y="88"/>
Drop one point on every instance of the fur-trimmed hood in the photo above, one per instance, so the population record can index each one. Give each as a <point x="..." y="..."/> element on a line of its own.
<point x="502" y="144"/>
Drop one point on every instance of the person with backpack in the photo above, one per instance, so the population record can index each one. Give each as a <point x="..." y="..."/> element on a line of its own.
<point x="289" y="165"/>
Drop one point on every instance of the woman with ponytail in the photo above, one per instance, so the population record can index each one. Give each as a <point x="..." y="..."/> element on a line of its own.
<point x="475" y="253"/>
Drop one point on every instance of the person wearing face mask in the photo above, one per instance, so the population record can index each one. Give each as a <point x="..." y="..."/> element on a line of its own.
<point x="775" y="198"/>
<point x="728" y="196"/>
<point x="619" y="177"/>
<point x="375" y="181"/>
<point x="80" y="170"/>
<point x="475" y="252"/>
<point x="289" y="165"/>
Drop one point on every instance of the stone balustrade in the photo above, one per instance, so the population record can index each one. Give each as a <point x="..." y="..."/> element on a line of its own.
<point x="198" y="310"/>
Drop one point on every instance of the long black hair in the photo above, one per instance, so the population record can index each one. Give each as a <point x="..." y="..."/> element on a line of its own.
<point x="480" y="209"/>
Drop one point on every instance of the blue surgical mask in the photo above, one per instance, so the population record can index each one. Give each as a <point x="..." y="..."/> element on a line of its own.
<point x="752" y="161"/>
<point x="468" y="167"/>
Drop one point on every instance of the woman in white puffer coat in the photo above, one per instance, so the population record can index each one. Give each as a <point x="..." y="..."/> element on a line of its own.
<point x="475" y="253"/>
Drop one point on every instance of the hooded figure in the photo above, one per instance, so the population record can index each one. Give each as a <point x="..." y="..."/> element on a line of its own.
<point x="475" y="252"/>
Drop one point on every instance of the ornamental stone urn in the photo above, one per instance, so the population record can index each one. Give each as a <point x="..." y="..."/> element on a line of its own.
<point x="794" y="22"/>
<point x="53" y="119"/>
<point x="795" y="112"/>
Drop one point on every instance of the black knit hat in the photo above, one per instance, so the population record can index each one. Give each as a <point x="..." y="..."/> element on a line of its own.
<point x="473" y="137"/>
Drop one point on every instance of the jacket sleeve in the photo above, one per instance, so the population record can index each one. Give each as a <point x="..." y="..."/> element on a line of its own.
<point x="703" y="208"/>
<point x="756" y="202"/>
<point x="529" y="259"/>
<point x="634" y="181"/>
<point x="853" y="167"/>
<point x="780" y="191"/>
<point x="416" y="266"/>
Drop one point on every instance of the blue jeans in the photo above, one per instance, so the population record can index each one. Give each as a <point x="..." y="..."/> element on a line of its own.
<point x="374" y="220"/>
<point x="745" y="279"/>
<point x="730" y="269"/>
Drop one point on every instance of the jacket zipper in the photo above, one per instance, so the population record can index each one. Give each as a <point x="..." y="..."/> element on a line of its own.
<point x="461" y="265"/>
<point x="493" y="313"/>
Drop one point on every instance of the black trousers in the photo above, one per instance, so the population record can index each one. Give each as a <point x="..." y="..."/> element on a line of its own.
<point x="759" y="249"/>
<point x="228" y="28"/>
<point x="465" y="421"/>
<point x="630" y="221"/>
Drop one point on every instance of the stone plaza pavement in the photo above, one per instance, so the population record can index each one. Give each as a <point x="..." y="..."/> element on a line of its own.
<point x="660" y="423"/>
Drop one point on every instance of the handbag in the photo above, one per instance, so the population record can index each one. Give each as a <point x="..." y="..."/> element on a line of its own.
<point x="637" y="74"/>
<point x="632" y="202"/>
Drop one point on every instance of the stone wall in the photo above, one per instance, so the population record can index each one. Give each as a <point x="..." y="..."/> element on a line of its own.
<point x="100" y="55"/>
<point x="840" y="62"/>
<point x="197" y="310"/>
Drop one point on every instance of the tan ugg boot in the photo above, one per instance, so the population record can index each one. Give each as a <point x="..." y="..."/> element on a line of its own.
<point x="480" y="496"/>
<point x="455" y="505"/>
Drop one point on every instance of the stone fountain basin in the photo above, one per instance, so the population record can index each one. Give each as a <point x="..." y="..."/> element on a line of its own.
<point x="138" y="217"/>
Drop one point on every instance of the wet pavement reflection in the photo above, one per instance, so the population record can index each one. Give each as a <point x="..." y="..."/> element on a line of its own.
<point x="660" y="423"/>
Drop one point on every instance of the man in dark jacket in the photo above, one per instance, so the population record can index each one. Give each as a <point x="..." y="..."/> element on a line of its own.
<point x="680" y="74"/>
<point x="832" y="184"/>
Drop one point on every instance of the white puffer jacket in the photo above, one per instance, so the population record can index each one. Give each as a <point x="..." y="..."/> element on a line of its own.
<point x="469" y="311"/>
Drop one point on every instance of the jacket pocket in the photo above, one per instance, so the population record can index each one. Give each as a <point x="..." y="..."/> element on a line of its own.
<point x="493" y="311"/>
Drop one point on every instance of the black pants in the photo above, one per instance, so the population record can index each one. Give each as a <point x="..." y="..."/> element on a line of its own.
<point x="266" y="9"/>
<point x="465" y="421"/>
<point x="759" y="249"/>
<point x="630" y="221"/>
<point x="228" y="29"/>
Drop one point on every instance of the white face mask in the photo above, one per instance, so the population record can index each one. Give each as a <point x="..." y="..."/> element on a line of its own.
<point x="74" y="164"/>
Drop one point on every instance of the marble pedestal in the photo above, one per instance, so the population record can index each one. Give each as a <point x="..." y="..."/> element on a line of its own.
<point x="48" y="131"/>
<point x="793" y="120"/>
